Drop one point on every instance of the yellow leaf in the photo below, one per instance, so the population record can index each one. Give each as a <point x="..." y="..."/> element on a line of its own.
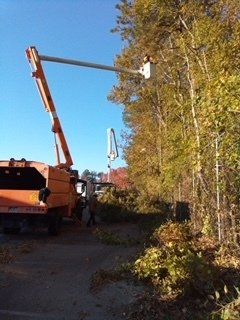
<point x="217" y="295"/>
<point x="225" y="289"/>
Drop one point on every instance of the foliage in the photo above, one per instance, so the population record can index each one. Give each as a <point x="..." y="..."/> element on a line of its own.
<point x="208" y="229"/>
<point x="174" y="266"/>
<point x="150" y="265"/>
<point x="183" y="125"/>
<point x="183" y="267"/>
<point x="90" y="175"/>
<point x="171" y="233"/>
<point x="119" y="178"/>
<point x="228" y="257"/>
<point x="117" y="205"/>
<point x="192" y="277"/>
<point x="229" y="311"/>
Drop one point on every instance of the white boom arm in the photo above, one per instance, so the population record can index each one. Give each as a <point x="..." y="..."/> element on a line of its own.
<point x="148" y="69"/>
<point x="112" y="150"/>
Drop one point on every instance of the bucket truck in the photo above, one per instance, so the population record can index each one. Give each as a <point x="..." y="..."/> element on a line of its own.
<point x="34" y="191"/>
<point x="31" y="190"/>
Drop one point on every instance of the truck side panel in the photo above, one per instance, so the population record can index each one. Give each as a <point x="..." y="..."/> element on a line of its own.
<point x="18" y="198"/>
<point x="21" y="181"/>
<point x="63" y="193"/>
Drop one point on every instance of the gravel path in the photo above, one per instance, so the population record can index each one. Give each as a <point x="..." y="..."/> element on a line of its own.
<point x="50" y="278"/>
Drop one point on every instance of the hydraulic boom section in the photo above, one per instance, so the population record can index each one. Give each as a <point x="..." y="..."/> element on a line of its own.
<point x="38" y="73"/>
<point x="112" y="150"/>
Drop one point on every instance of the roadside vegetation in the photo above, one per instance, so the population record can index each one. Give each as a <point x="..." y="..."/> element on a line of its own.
<point x="192" y="274"/>
<point x="182" y="142"/>
<point x="188" y="273"/>
<point x="182" y="146"/>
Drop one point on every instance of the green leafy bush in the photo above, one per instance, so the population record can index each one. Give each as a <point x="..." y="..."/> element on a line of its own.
<point x="171" y="233"/>
<point x="147" y="204"/>
<point x="117" y="206"/>
<point x="174" y="266"/>
<point x="151" y="264"/>
<point x="128" y="205"/>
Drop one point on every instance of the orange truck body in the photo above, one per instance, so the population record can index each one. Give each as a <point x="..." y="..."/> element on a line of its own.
<point x="21" y="182"/>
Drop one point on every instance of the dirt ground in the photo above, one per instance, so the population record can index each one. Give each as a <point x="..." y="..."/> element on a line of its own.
<point x="50" y="277"/>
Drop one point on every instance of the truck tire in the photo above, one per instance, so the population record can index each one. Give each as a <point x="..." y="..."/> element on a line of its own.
<point x="55" y="222"/>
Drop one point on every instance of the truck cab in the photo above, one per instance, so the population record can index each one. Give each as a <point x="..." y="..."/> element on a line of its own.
<point x="99" y="188"/>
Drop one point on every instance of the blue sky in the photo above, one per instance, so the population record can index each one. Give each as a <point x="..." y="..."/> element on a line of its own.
<point x="74" y="29"/>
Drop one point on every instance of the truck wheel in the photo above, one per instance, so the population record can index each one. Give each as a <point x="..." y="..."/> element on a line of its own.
<point x="54" y="226"/>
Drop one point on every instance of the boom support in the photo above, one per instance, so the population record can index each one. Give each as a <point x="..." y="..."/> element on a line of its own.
<point x="38" y="73"/>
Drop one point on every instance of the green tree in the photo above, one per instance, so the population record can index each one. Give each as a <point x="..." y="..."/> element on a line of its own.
<point x="183" y="142"/>
<point x="89" y="175"/>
